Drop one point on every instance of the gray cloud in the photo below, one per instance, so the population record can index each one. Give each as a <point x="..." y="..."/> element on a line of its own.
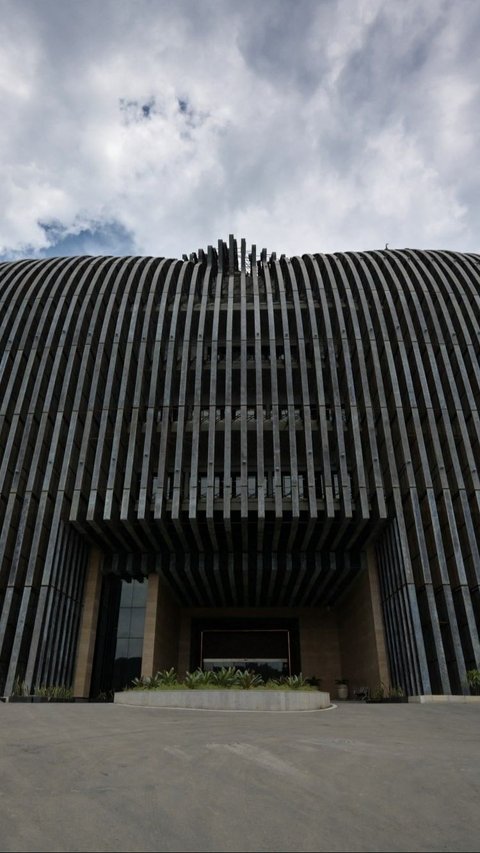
<point x="304" y="126"/>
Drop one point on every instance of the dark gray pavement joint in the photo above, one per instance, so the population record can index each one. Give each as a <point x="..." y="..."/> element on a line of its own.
<point x="356" y="778"/>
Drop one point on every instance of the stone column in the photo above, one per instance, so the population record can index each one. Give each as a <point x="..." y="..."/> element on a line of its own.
<point x="88" y="624"/>
<point x="162" y="620"/>
<point x="382" y="655"/>
<point x="361" y="632"/>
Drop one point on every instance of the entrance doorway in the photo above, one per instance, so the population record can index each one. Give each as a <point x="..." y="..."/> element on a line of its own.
<point x="267" y="647"/>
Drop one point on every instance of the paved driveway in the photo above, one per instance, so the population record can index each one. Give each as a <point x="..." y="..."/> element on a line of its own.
<point x="358" y="777"/>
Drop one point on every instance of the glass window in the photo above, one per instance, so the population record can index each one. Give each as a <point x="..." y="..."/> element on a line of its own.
<point x="122" y="648"/>
<point x="127" y="593"/>
<point x="123" y="629"/>
<point x="137" y="622"/>
<point x="139" y="594"/>
<point x="135" y="647"/>
<point x="130" y="628"/>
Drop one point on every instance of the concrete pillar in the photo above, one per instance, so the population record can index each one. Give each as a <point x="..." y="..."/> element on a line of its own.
<point x="361" y="632"/>
<point x="377" y="616"/>
<point x="88" y="624"/>
<point x="160" y="638"/>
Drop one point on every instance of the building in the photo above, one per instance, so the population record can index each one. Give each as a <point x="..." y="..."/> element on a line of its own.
<point x="237" y="458"/>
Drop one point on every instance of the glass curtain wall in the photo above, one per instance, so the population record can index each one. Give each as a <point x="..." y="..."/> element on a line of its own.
<point x="131" y="623"/>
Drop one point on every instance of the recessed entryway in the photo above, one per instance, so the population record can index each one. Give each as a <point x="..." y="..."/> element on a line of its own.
<point x="267" y="646"/>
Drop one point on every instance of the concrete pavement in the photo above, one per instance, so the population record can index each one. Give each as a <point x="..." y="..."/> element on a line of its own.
<point x="85" y="777"/>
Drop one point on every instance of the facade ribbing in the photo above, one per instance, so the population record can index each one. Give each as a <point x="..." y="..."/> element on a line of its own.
<point x="245" y="428"/>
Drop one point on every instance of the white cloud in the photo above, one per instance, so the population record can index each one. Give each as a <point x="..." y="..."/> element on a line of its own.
<point x="303" y="126"/>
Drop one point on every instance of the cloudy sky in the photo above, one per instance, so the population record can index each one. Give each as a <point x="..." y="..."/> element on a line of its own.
<point x="150" y="127"/>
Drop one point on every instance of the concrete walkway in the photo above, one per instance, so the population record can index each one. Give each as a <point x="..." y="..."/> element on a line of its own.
<point x="358" y="777"/>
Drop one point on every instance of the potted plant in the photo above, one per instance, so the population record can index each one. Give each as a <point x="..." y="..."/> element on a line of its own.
<point x="342" y="688"/>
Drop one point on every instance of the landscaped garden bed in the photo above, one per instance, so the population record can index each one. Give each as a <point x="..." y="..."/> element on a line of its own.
<point x="227" y="689"/>
<point x="49" y="693"/>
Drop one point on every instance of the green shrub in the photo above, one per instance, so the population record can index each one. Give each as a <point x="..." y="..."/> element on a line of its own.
<point x="198" y="679"/>
<point x="54" y="692"/>
<point x="383" y="692"/>
<point x="163" y="678"/>
<point x="473" y="679"/>
<point x="166" y="677"/>
<point x="106" y="696"/>
<point x="294" y="681"/>
<point x="225" y="677"/>
<point x="273" y="684"/>
<point x="20" y="688"/>
<point x="141" y="683"/>
<point x="247" y="679"/>
<point x="379" y="692"/>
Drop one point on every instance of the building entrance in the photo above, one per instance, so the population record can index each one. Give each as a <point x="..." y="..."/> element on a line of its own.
<point x="268" y="647"/>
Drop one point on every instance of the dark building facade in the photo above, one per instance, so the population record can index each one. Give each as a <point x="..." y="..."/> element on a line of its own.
<point x="237" y="458"/>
